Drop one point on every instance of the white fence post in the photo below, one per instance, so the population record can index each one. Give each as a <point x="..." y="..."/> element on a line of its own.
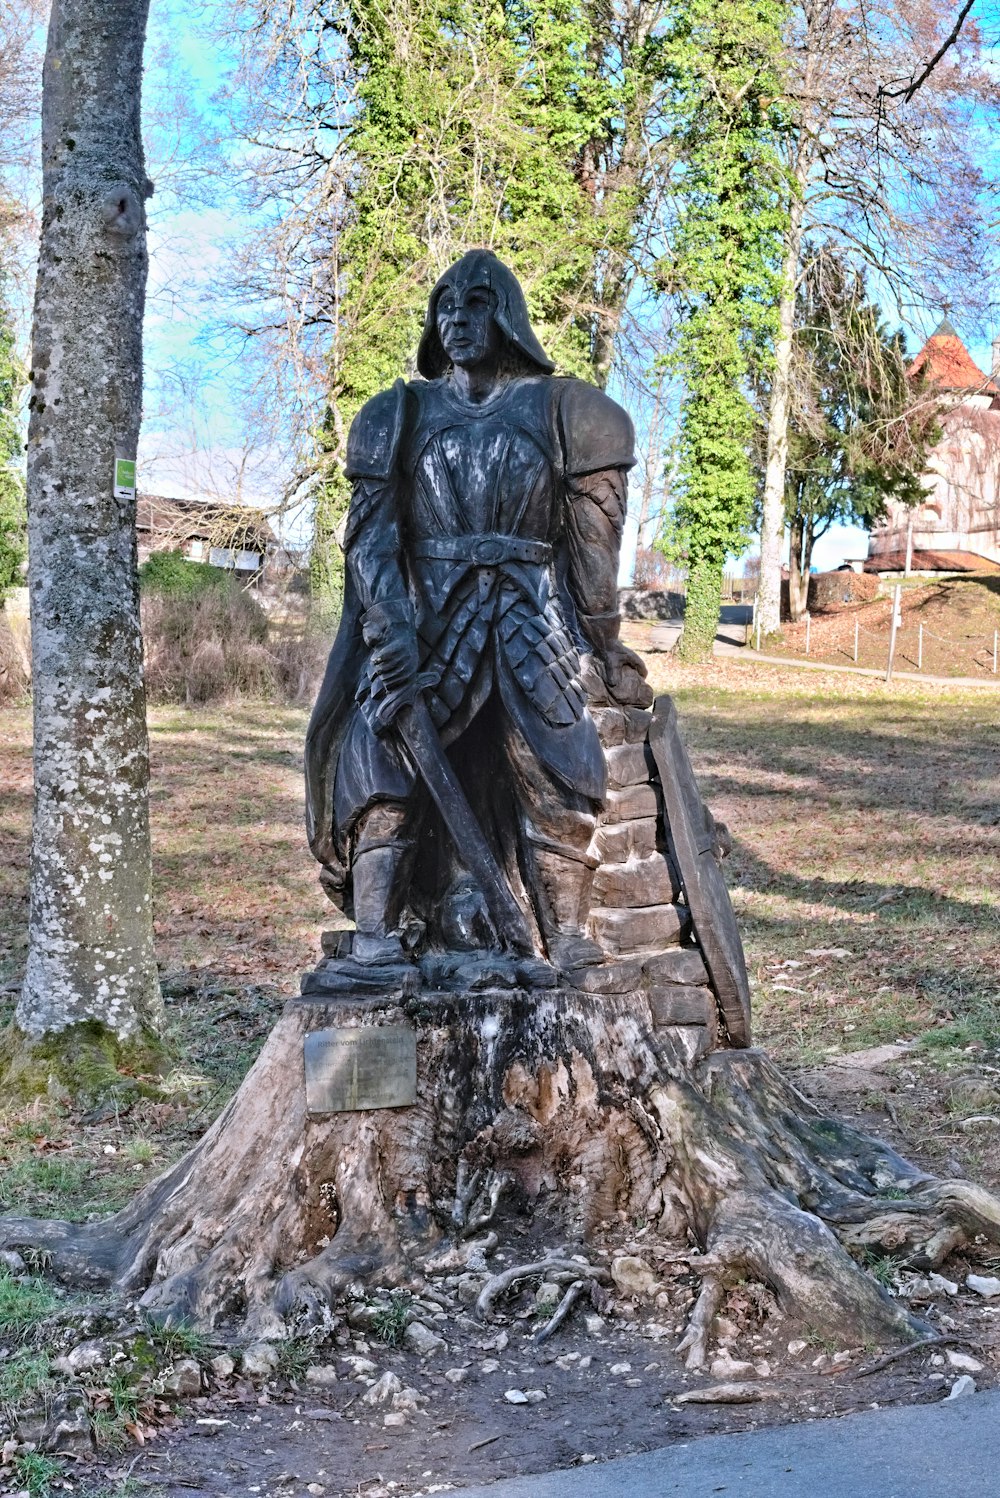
<point x="920" y="647"/>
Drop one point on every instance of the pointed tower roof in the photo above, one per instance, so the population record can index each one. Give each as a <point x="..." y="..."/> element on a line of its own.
<point x="945" y="361"/>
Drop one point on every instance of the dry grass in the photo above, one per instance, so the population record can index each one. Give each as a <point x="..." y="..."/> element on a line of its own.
<point x="959" y="617"/>
<point x="864" y="820"/>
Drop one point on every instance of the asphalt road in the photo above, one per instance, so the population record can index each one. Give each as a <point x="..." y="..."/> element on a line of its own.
<point x="946" y="1450"/>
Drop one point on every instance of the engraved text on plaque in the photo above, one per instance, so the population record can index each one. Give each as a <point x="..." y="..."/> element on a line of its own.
<point x="357" y="1067"/>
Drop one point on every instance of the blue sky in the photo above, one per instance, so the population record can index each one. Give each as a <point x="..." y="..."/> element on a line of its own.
<point x="197" y="437"/>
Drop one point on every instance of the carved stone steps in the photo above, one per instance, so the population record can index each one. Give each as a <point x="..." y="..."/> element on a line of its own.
<point x="627" y="931"/>
<point x="629" y="764"/>
<point x="674" y="1005"/>
<point x="637" y="882"/>
<point x="631" y="802"/>
<point x="616" y="725"/>
<point x="617" y="842"/>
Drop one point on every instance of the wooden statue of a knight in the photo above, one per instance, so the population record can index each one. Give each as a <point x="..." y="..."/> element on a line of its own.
<point x="454" y="773"/>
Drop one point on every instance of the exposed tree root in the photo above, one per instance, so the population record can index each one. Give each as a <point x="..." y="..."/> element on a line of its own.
<point x="571" y="1106"/>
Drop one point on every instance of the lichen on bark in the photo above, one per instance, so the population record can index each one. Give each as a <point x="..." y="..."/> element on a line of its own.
<point x="90" y="933"/>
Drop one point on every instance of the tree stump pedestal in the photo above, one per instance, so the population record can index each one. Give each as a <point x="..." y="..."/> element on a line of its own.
<point x="575" y="1110"/>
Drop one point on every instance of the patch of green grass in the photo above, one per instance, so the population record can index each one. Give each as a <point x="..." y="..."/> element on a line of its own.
<point x="139" y="1151"/>
<point x="36" y="1472"/>
<point x="295" y="1354"/>
<point x="23" y="1374"/>
<point x="976" y="1022"/>
<point x="179" y="1341"/>
<point x="118" y="1406"/>
<point x="52" y="1186"/>
<point x="390" y="1320"/>
<point x="882" y="1267"/>
<point x="24" y="1303"/>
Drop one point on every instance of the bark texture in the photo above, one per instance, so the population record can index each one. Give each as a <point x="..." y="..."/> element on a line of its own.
<point x="91" y="941"/>
<point x="772" y="526"/>
<point x="569" y="1107"/>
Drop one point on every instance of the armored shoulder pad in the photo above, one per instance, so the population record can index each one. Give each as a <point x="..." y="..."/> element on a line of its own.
<point x="596" y="433"/>
<point x="373" y="441"/>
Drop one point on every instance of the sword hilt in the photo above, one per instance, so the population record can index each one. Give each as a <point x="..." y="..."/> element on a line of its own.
<point x="405" y="696"/>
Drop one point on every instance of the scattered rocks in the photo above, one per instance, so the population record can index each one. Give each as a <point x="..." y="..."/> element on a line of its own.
<point x="594" y="1325"/>
<point x="720" y="1394"/>
<point x="962" y="1386"/>
<point x="183" y="1379"/>
<point x="469" y="1287"/>
<point x="12" y="1262"/>
<point x="725" y="1367"/>
<point x="633" y="1276"/>
<point x="455" y="1375"/>
<point x="525" y="1396"/>
<point x="985" y="1285"/>
<point x="421" y="1340"/>
<point x="62" y="1428"/>
<point x="383" y="1390"/>
<point x="86" y="1355"/>
<point x="321" y="1375"/>
<point x="223" y="1366"/>
<point x="359" y="1367"/>
<point x="617" y="1369"/>
<point x="964" y="1362"/>
<point x="260" y="1359"/>
<point x="796" y="1346"/>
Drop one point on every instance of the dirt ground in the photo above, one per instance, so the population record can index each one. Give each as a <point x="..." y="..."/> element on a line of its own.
<point x="864" y="876"/>
<point x="960" y="617"/>
<point x="602" y="1388"/>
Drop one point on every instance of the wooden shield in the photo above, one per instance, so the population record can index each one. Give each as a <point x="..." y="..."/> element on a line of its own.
<point x="705" y="889"/>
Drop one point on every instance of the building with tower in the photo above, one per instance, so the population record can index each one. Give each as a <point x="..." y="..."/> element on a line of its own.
<point x="957" y="527"/>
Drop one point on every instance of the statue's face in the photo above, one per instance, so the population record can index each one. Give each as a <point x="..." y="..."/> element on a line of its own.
<point x="466" y="326"/>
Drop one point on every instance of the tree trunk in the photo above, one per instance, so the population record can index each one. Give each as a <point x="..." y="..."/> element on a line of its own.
<point x="90" y="957"/>
<point x="799" y="553"/>
<point x="573" y="1109"/>
<point x="702" y="608"/>
<point x="772" y="528"/>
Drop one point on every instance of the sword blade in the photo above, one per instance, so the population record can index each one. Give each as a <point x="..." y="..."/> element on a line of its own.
<point x="416" y="728"/>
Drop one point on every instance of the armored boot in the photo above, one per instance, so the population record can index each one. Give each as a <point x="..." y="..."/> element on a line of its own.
<point x="564" y="877"/>
<point x="379" y="851"/>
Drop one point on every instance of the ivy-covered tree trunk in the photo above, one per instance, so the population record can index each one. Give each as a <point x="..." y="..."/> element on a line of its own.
<point x="702" y="608"/>
<point x="772" y="528"/>
<point x="326" y="556"/>
<point x="90" y="959"/>
<point x="733" y="218"/>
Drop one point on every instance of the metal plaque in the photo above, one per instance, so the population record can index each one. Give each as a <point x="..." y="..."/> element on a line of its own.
<point x="358" y="1067"/>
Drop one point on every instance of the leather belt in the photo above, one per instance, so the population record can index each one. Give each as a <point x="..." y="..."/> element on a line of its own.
<point x="483" y="551"/>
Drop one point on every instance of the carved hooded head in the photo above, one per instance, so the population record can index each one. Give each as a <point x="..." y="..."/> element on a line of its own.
<point x="481" y="268"/>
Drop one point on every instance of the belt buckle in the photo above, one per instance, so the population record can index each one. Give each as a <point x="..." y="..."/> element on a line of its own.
<point x="488" y="551"/>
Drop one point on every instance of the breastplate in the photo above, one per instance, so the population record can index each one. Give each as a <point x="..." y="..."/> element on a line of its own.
<point x="481" y="469"/>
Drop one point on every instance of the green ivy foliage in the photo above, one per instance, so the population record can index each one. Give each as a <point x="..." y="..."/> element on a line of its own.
<point x="724" y="65"/>
<point x="477" y="124"/>
<point x="13" y="516"/>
